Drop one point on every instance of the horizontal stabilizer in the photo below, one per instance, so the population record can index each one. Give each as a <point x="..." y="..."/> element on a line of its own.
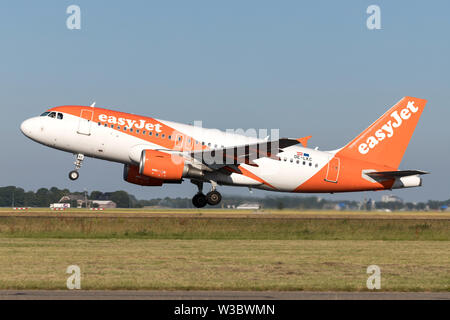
<point x="395" y="174"/>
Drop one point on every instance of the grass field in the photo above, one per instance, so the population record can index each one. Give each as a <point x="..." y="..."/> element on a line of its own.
<point x="223" y="249"/>
<point x="241" y="228"/>
<point x="224" y="264"/>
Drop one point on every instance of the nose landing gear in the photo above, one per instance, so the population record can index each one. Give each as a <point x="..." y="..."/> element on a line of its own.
<point x="73" y="175"/>
<point x="212" y="198"/>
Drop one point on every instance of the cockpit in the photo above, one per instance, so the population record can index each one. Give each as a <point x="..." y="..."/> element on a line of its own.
<point x="55" y="115"/>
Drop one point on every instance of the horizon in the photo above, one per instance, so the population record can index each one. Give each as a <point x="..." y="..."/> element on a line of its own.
<point x="276" y="195"/>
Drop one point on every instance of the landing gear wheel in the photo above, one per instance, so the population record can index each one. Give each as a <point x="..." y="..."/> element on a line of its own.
<point x="199" y="200"/>
<point x="213" y="198"/>
<point x="73" y="175"/>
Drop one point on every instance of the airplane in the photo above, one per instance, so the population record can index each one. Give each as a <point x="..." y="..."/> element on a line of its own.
<point x="156" y="152"/>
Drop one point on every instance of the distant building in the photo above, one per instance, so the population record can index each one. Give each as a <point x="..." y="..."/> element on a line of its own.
<point x="78" y="198"/>
<point x="105" y="204"/>
<point x="340" y="206"/>
<point x="249" y="206"/>
<point x="60" y="205"/>
<point x="391" y="198"/>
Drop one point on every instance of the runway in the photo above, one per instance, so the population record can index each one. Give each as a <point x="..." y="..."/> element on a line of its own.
<point x="214" y="295"/>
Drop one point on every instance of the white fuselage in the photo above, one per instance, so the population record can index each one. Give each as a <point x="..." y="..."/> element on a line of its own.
<point x="97" y="139"/>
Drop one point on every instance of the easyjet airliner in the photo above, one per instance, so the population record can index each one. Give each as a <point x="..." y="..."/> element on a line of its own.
<point x="155" y="152"/>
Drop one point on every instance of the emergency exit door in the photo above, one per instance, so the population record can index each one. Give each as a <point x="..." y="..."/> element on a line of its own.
<point x="333" y="170"/>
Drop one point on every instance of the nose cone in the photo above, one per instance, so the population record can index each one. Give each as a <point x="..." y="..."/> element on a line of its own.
<point x="30" y="128"/>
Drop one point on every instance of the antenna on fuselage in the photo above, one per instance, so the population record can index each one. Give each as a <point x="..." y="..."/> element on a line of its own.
<point x="93" y="105"/>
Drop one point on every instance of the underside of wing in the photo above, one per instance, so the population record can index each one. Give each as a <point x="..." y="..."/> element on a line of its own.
<point x="395" y="174"/>
<point x="232" y="156"/>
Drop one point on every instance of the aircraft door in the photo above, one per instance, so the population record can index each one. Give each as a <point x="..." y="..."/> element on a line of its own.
<point x="84" y="125"/>
<point x="333" y="170"/>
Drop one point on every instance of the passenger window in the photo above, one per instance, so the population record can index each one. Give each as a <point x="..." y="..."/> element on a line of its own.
<point x="143" y="132"/>
<point x="112" y="126"/>
<point x="163" y="135"/>
<point x="310" y="164"/>
<point x="137" y="130"/>
<point x="156" y="134"/>
<point x="292" y="160"/>
<point x="118" y="127"/>
<point x="169" y="137"/>
<point x="150" y="133"/>
<point x="317" y="165"/>
<point x="304" y="162"/>
<point x="60" y="116"/>
<point x="298" y="162"/>
<point x="124" y="128"/>
<point x="99" y="123"/>
<point x="106" y="125"/>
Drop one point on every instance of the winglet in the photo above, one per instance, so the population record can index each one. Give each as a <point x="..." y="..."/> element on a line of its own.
<point x="304" y="141"/>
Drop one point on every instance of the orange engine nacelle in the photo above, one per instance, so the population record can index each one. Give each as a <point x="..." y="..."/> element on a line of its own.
<point x="131" y="175"/>
<point x="163" y="166"/>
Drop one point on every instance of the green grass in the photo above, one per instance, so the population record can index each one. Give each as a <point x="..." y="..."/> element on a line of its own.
<point x="224" y="264"/>
<point x="224" y="228"/>
<point x="207" y="252"/>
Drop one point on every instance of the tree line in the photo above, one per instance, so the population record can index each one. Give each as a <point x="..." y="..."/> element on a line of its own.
<point x="13" y="196"/>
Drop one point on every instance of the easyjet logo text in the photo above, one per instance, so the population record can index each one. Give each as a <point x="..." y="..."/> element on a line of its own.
<point x="388" y="129"/>
<point x="137" y="124"/>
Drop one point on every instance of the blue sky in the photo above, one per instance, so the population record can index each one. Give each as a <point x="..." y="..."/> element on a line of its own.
<point x="307" y="68"/>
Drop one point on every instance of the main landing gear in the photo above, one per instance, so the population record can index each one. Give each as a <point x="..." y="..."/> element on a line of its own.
<point x="73" y="175"/>
<point x="212" y="198"/>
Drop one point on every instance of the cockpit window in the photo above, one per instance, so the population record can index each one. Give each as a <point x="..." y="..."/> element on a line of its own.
<point x="60" y="116"/>
<point x="52" y="114"/>
<point x="45" y="114"/>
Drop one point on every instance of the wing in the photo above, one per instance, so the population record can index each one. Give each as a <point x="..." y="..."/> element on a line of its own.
<point x="232" y="156"/>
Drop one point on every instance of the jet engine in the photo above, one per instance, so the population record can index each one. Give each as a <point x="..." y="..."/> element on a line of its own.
<point x="131" y="175"/>
<point x="167" y="167"/>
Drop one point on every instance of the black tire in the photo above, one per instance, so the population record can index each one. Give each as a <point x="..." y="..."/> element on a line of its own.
<point x="199" y="200"/>
<point x="73" y="175"/>
<point x="213" y="198"/>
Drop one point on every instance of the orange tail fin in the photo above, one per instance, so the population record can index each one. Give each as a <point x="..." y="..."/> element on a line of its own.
<point x="386" y="140"/>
